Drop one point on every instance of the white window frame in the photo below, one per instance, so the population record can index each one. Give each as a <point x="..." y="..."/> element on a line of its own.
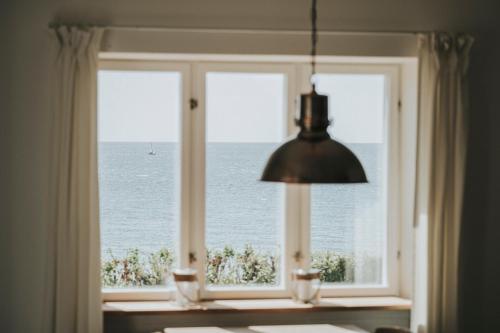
<point x="392" y="135"/>
<point x="290" y="213"/>
<point x="296" y="230"/>
<point x="123" y="294"/>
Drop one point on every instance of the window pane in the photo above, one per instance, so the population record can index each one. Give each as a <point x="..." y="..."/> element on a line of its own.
<point x="348" y="222"/>
<point x="245" y="117"/>
<point x="138" y="176"/>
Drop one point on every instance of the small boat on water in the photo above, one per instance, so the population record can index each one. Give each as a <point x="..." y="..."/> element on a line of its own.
<point x="151" y="150"/>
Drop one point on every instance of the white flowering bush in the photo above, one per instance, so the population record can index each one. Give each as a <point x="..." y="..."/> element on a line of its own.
<point x="228" y="266"/>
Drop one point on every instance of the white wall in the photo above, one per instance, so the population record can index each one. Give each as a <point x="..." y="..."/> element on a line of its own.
<point x="25" y="120"/>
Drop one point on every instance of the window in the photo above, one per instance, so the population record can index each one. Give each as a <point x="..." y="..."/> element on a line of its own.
<point x="349" y="222"/>
<point x="353" y="228"/>
<point x="139" y="176"/>
<point x="181" y="149"/>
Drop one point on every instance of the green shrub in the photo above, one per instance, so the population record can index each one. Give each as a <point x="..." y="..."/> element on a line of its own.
<point x="228" y="266"/>
<point x="333" y="267"/>
<point x="136" y="269"/>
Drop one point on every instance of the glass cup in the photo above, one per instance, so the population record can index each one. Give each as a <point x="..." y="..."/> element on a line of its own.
<point x="187" y="287"/>
<point x="306" y="285"/>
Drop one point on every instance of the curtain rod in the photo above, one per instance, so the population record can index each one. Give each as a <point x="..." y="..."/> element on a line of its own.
<point x="242" y="31"/>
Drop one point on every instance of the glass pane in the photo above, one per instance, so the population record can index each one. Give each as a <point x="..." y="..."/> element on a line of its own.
<point x="348" y="222"/>
<point x="138" y="176"/>
<point x="245" y="117"/>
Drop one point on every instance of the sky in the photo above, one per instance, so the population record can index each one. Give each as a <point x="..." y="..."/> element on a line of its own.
<point x="145" y="106"/>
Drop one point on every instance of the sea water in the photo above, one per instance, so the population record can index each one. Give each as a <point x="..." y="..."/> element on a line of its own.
<point x="139" y="200"/>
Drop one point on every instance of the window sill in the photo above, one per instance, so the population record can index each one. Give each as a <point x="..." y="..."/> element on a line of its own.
<point x="262" y="305"/>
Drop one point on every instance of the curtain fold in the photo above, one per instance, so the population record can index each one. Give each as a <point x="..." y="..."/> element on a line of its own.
<point x="73" y="264"/>
<point x="443" y="61"/>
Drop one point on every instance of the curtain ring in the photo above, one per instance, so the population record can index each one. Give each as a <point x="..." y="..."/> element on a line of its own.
<point x="445" y="42"/>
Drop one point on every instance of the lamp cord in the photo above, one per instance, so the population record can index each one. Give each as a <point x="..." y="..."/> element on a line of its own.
<point x="314" y="40"/>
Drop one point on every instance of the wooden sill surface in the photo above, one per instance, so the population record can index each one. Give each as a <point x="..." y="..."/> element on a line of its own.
<point x="259" y="305"/>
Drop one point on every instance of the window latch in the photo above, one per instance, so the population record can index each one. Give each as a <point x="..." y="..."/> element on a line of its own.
<point x="192" y="257"/>
<point x="193" y="103"/>
<point x="297" y="256"/>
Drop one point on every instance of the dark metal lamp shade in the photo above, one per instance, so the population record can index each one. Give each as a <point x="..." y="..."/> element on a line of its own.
<point x="313" y="157"/>
<point x="302" y="161"/>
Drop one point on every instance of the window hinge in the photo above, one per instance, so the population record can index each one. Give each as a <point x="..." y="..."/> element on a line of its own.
<point x="398" y="255"/>
<point x="400" y="105"/>
<point x="193" y="103"/>
<point x="297" y="256"/>
<point x="192" y="257"/>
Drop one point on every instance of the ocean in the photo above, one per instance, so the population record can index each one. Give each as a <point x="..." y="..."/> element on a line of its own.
<point x="139" y="201"/>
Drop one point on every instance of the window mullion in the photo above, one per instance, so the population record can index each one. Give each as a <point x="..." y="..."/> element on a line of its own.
<point x="292" y="249"/>
<point x="305" y="226"/>
<point x="186" y="176"/>
<point x="196" y="255"/>
<point x="291" y="232"/>
<point x="303" y="86"/>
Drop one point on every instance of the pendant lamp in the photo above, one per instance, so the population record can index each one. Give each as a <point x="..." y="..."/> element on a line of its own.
<point x="313" y="156"/>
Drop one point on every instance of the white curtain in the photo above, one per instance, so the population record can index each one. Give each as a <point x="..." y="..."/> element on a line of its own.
<point x="443" y="61"/>
<point x="73" y="264"/>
